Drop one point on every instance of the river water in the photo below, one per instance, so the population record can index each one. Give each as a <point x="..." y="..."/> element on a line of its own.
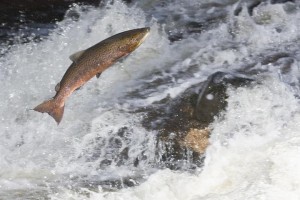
<point x="254" y="150"/>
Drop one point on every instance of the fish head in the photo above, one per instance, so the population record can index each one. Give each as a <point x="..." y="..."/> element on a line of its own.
<point x="140" y="35"/>
<point x="132" y="39"/>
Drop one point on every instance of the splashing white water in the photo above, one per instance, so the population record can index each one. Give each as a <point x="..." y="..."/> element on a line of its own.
<point x="254" y="153"/>
<point x="34" y="151"/>
<point x="254" y="150"/>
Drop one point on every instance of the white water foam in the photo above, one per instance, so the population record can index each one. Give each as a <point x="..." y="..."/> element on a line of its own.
<point x="254" y="151"/>
<point x="254" y="145"/>
<point x="34" y="151"/>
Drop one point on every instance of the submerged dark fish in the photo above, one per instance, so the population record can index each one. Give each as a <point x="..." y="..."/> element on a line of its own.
<point x="89" y="63"/>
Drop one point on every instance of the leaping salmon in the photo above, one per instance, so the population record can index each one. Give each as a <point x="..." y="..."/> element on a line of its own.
<point x="89" y="63"/>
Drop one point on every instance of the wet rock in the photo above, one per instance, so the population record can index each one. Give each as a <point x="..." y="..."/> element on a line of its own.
<point x="212" y="96"/>
<point x="197" y="140"/>
<point x="24" y="20"/>
<point x="182" y="123"/>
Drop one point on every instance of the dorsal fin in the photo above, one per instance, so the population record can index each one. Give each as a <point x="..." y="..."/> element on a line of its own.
<point x="75" y="56"/>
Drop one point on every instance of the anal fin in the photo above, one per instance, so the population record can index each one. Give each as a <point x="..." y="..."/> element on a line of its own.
<point x="98" y="75"/>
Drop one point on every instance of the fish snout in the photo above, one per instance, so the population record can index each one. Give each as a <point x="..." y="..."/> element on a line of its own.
<point x="147" y="29"/>
<point x="143" y="35"/>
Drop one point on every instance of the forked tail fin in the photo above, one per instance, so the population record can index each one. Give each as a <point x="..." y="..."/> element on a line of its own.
<point x="51" y="107"/>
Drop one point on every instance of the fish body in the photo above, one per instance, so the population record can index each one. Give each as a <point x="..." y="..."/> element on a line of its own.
<point x="89" y="63"/>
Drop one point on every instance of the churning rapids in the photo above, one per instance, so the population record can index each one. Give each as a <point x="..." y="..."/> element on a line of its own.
<point x="101" y="150"/>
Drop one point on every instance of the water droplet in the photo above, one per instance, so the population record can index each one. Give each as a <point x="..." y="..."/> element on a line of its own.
<point x="210" y="97"/>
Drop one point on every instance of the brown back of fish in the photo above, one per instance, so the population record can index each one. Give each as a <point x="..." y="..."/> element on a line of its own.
<point x="100" y="56"/>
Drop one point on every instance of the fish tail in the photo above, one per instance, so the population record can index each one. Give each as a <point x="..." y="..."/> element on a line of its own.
<point x="53" y="108"/>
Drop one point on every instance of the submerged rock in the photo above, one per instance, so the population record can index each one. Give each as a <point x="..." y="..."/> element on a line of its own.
<point x="212" y="96"/>
<point x="182" y="122"/>
<point x="197" y="140"/>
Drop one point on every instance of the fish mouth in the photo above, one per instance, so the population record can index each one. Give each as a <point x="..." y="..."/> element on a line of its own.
<point x="147" y="29"/>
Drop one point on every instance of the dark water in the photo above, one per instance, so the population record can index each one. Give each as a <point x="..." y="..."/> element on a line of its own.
<point x="22" y="21"/>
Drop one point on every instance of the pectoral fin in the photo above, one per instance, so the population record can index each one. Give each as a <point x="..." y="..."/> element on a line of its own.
<point x="74" y="57"/>
<point x="78" y="88"/>
<point x="98" y="75"/>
